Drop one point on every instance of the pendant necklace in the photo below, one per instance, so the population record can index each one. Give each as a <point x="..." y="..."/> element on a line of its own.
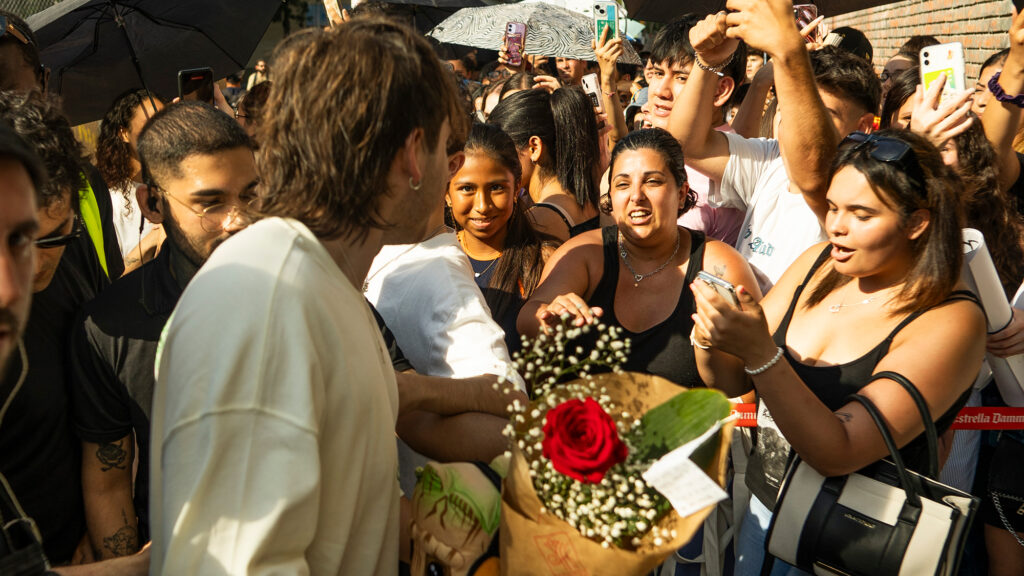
<point x="484" y="271"/>
<point x="836" y="308"/>
<point x="638" y="277"/>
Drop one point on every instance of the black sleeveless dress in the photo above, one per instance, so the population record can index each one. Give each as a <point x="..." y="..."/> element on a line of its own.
<point x="664" y="349"/>
<point x="833" y="385"/>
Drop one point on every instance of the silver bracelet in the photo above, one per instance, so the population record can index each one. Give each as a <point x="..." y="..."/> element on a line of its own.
<point x="772" y="362"/>
<point x="714" y="69"/>
<point x="694" y="342"/>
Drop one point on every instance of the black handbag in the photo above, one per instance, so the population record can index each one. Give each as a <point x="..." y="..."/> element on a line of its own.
<point x="884" y="520"/>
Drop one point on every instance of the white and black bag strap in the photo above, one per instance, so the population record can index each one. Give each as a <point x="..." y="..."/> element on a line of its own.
<point x="930" y="433"/>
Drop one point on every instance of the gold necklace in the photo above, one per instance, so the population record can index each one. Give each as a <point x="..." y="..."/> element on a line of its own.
<point x="466" y="250"/>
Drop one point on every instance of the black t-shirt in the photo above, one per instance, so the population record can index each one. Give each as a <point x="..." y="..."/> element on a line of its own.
<point x="113" y="350"/>
<point x="398" y="360"/>
<point x="39" y="452"/>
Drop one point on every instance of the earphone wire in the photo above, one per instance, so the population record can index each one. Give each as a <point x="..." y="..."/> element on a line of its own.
<point x="8" y="492"/>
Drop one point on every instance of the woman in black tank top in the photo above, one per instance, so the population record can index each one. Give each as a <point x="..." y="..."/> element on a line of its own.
<point x="883" y="294"/>
<point x="637" y="275"/>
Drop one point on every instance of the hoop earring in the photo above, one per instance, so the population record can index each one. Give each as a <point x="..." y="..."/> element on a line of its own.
<point x="415" y="186"/>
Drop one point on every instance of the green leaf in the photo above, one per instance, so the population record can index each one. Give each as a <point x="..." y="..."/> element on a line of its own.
<point x="682" y="419"/>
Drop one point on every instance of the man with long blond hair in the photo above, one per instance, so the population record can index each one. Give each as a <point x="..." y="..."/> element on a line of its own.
<point x="275" y="408"/>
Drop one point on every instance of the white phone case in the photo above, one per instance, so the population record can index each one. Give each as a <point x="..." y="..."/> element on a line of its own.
<point x="945" y="59"/>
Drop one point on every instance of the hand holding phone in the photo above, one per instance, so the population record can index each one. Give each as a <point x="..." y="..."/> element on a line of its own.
<point x="723" y="287"/>
<point x="606" y="15"/>
<point x="196" y="84"/>
<point x="592" y="87"/>
<point x="515" y="42"/>
<point x="944" y="60"/>
<point x="805" y="14"/>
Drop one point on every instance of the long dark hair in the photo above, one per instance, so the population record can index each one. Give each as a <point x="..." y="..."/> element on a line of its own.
<point x="902" y="88"/>
<point x="518" y="271"/>
<point x="113" y="154"/>
<point x="986" y="207"/>
<point x="564" y="121"/>
<point x="937" y="251"/>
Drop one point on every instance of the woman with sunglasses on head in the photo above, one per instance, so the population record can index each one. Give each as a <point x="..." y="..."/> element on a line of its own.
<point x="506" y="254"/>
<point x="636" y="274"/>
<point x="884" y="294"/>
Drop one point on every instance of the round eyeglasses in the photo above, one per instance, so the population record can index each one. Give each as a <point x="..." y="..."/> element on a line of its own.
<point x="223" y="215"/>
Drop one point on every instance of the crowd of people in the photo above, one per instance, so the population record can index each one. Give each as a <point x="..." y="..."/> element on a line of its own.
<point x="230" y="336"/>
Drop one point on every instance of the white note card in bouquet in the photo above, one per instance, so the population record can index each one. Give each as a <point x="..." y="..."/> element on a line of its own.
<point x="683" y="483"/>
<point x="980" y="275"/>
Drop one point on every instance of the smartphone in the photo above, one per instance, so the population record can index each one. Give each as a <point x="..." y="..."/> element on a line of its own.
<point x="945" y="59"/>
<point x="606" y="15"/>
<point x="592" y="86"/>
<point x="805" y="14"/>
<point x="724" y="289"/>
<point x="515" y="42"/>
<point x="196" y="84"/>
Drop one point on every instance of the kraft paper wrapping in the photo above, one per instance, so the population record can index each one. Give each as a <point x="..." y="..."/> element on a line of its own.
<point x="538" y="544"/>
<point x="980" y="274"/>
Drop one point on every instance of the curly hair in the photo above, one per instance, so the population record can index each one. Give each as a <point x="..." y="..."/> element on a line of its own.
<point x="113" y="155"/>
<point x="660" y="141"/>
<point x="987" y="208"/>
<point x="38" y="119"/>
<point x="344" y="102"/>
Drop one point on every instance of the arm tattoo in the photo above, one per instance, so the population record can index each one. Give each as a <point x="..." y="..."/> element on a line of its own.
<point x="112" y="456"/>
<point x="719" y="270"/>
<point x="844" y="416"/>
<point x="123" y="542"/>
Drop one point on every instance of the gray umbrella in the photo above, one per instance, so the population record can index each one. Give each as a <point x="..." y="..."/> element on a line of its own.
<point x="550" y="30"/>
<point x="666" y="11"/>
<point x="97" y="49"/>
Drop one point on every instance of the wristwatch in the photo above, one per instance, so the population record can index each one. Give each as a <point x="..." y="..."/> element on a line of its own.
<point x="1000" y="95"/>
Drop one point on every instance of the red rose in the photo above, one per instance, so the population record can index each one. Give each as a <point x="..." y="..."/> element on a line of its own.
<point x="581" y="440"/>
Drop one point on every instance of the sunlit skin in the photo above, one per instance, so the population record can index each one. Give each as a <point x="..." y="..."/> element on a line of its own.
<point x="645" y="198"/>
<point x="869" y="239"/>
<point x="665" y="86"/>
<point x="981" y="92"/>
<point x="570" y="71"/>
<point x="206" y="180"/>
<point x="754" y="63"/>
<point x="18" y="228"/>
<point x="55" y="219"/>
<point x="482" y="198"/>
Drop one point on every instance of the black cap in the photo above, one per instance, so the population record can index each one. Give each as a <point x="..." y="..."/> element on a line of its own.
<point x="13" y="146"/>
<point x="855" y="42"/>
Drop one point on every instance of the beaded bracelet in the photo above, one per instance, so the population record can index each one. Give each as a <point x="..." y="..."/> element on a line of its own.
<point x="772" y="362"/>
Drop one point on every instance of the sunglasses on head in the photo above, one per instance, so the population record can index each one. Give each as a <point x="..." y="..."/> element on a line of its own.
<point x="889" y="150"/>
<point x="63" y="240"/>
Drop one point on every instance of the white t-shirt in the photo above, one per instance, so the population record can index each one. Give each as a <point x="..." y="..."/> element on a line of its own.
<point x="779" y="225"/>
<point x="273" y="418"/>
<point x="428" y="298"/>
<point x="127" y="218"/>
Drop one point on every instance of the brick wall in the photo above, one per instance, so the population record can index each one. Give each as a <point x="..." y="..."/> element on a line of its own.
<point x="981" y="26"/>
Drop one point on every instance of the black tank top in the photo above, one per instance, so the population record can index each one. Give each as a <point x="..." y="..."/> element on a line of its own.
<point x="586" y="226"/>
<point x="833" y="385"/>
<point x="663" y="349"/>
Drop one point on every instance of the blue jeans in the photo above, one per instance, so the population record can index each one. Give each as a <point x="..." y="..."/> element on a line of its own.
<point x="750" y="547"/>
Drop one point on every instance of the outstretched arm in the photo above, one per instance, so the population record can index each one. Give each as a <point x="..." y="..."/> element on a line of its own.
<point x="807" y="136"/>
<point x="1001" y="120"/>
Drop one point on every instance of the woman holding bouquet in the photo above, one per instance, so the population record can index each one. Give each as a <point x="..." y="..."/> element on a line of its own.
<point x="637" y="274"/>
<point x="883" y="294"/>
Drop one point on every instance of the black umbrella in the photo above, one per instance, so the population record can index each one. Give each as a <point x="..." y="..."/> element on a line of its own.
<point x="666" y="11"/>
<point x="97" y="49"/>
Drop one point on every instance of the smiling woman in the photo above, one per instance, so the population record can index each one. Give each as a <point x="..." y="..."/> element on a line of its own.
<point x="637" y="274"/>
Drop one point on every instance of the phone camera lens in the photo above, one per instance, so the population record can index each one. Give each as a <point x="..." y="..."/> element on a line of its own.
<point x="926" y="62"/>
<point x="925" y="54"/>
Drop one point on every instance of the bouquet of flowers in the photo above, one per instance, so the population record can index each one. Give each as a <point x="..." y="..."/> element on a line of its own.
<point x="578" y="497"/>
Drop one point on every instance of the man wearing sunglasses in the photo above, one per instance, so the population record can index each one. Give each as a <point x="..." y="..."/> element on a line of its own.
<point x="39" y="453"/>
<point x="200" y="176"/>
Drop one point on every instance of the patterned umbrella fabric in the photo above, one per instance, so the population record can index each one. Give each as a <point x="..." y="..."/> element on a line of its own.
<point x="550" y="30"/>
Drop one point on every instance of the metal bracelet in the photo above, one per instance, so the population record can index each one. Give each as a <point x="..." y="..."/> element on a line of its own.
<point x="713" y="69"/>
<point x="772" y="362"/>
